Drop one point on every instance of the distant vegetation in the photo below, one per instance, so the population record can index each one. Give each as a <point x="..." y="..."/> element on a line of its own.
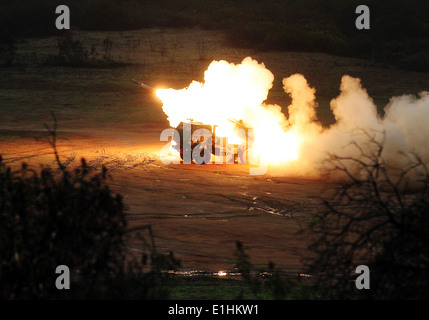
<point x="72" y="53"/>
<point x="399" y="33"/>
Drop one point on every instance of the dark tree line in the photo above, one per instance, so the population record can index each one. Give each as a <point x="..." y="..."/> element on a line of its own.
<point x="399" y="31"/>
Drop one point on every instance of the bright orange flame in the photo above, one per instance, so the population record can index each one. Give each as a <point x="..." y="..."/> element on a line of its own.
<point x="236" y="92"/>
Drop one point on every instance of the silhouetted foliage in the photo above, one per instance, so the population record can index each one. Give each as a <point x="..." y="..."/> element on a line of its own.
<point x="71" y="217"/>
<point x="270" y="283"/>
<point x="47" y="221"/>
<point x="379" y="219"/>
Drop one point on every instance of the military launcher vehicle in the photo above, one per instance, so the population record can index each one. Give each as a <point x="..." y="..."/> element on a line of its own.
<point x="203" y="136"/>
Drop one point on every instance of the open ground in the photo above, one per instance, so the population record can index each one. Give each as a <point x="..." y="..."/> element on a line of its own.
<point x="197" y="212"/>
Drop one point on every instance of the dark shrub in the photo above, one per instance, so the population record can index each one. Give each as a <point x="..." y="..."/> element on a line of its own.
<point x="72" y="218"/>
<point x="379" y="218"/>
<point x="46" y="221"/>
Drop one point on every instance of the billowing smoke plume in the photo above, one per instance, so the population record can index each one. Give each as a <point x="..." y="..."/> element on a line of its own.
<point x="359" y="133"/>
<point x="298" y="145"/>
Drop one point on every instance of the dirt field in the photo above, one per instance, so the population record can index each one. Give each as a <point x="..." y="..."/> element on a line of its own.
<point x="198" y="212"/>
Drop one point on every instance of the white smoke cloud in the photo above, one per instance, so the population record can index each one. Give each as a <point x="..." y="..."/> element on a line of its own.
<point x="359" y="130"/>
<point x="239" y="91"/>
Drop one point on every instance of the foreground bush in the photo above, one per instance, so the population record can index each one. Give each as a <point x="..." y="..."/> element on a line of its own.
<point x="379" y="218"/>
<point x="72" y="218"/>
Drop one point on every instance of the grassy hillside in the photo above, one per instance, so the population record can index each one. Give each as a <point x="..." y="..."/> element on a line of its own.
<point x="399" y="31"/>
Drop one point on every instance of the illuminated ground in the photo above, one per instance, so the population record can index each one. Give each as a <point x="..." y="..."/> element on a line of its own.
<point x="196" y="211"/>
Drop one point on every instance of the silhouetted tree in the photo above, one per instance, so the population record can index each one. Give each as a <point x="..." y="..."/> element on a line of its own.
<point x="380" y="218"/>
